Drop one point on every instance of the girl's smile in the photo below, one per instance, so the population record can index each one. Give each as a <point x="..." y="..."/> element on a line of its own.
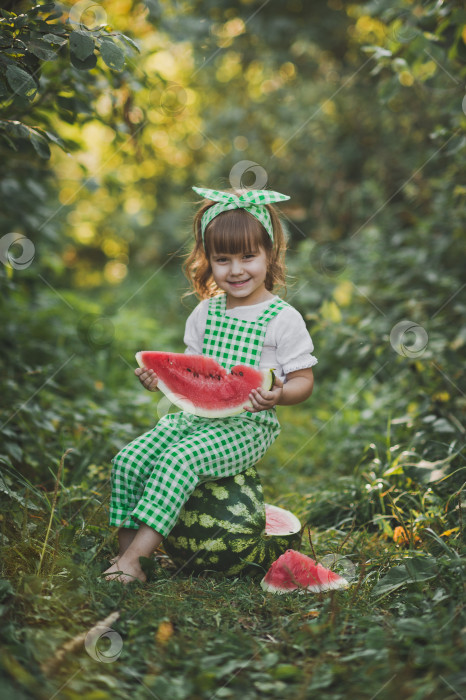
<point x="241" y="276"/>
<point x="239" y="284"/>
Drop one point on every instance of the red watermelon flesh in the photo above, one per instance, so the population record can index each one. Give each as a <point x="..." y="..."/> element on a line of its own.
<point x="279" y="521"/>
<point x="295" y="571"/>
<point x="199" y="385"/>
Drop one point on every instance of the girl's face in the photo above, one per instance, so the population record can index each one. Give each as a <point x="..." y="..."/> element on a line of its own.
<point x="241" y="276"/>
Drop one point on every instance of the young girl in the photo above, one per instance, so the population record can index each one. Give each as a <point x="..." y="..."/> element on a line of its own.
<point x="236" y="261"/>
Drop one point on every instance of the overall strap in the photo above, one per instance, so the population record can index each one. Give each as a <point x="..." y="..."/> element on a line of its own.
<point x="217" y="305"/>
<point x="272" y="310"/>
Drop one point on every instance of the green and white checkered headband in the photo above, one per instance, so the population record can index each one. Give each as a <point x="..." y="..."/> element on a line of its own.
<point x="252" y="200"/>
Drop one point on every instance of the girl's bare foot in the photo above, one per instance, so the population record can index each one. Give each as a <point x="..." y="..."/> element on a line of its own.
<point x="124" y="571"/>
<point x="125" y="538"/>
<point x="127" y="567"/>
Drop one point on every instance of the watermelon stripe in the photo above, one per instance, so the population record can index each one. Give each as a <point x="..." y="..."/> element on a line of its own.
<point x="204" y="538"/>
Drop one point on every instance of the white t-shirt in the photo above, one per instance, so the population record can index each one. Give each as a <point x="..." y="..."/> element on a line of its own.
<point x="287" y="344"/>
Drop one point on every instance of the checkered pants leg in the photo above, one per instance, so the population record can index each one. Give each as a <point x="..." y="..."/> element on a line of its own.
<point x="153" y="476"/>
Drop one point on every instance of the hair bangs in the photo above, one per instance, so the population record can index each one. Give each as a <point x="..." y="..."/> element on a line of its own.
<point x="234" y="232"/>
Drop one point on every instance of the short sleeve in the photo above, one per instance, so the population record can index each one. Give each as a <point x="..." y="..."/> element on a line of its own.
<point x="195" y="329"/>
<point x="294" y="344"/>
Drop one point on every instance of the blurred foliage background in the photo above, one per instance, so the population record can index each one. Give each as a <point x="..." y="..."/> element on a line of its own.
<point x="111" y="111"/>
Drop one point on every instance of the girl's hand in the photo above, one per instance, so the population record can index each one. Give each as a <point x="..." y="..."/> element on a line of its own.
<point x="147" y="377"/>
<point x="262" y="400"/>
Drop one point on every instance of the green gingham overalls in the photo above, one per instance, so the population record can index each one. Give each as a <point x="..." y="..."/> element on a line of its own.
<point x="153" y="476"/>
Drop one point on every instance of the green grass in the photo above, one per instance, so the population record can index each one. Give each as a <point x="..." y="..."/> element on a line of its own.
<point x="397" y="630"/>
<point x="357" y="460"/>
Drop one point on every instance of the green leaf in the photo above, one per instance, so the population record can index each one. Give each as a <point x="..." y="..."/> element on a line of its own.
<point x="155" y="11"/>
<point x="21" y="21"/>
<point x="65" y="102"/>
<point x="9" y="141"/>
<point x="421" y="568"/>
<point x="112" y="55"/>
<point x="17" y="130"/>
<point x="56" y="14"/>
<point x="54" y="39"/>
<point x="451" y="553"/>
<point x="443" y="426"/>
<point x="412" y="570"/>
<point x="87" y="64"/>
<point x="42" y="50"/>
<point x="21" y="82"/>
<point x="82" y="45"/>
<point x="56" y="139"/>
<point x="46" y="7"/>
<point x="397" y="576"/>
<point x="284" y="671"/>
<point x="4" y="488"/>
<point x="130" y="42"/>
<point x="412" y="627"/>
<point x="40" y="144"/>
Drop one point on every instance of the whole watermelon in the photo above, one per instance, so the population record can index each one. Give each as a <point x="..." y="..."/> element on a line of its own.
<point x="222" y="528"/>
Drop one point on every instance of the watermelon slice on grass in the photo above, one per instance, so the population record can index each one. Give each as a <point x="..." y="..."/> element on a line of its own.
<point x="294" y="571"/>
<point x="199" y="385"/>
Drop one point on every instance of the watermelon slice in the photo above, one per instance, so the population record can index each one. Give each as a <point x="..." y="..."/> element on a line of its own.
<point x="198" y="384"/>
<point x="293" y="571"/>
<point x="279" y="521"/>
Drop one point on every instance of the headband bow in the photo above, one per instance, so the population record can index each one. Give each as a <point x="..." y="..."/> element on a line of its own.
<point x="252" y="200"/>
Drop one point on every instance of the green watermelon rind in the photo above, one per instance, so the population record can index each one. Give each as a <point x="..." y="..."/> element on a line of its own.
<point x="188" y="405"/>
<point x="203" y="541"/>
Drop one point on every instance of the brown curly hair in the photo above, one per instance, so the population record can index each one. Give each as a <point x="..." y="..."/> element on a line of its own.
<point x="233" y="232"/>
